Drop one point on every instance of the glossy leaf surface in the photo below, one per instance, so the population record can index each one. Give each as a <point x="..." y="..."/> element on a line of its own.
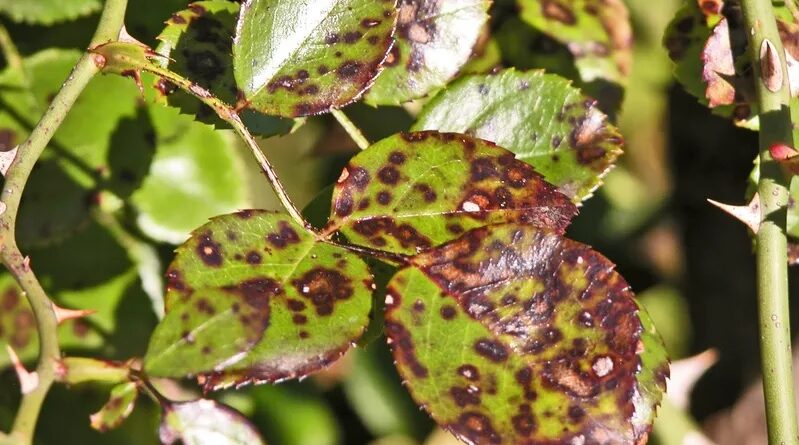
<point x="434" y="40"/>
<point x="413" y="191"/>
<point x="596" y="32"/>
<point x="540" y="117"/>
<point x="117" y="409"/>
<point x="252" y="297"/>
<point x="197" y="43"/>
<point x="512" y="334"/>
<point x="299" y="58"/>
<point x="47" y="12"/>
<point x="204" y="422"/>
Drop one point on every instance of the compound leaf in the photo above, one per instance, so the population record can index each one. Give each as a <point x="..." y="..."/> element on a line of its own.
<point x="412" y="191"/>
<point x="205" y="421"/>
<point x="299" y="58"/>
<point x="252" y="297"/>
<point x="513" y="334"/>
<point x="434" y="40"/>
<point x="540" y="117"/>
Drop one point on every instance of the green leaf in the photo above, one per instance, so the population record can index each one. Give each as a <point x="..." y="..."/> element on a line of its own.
<point x="18" y="326"/>
<point x="512" y="334"/>
<point x="197" y="43"/>
<point x="434" y="41"/>
<point x="300" y="58"/>
<point x="252" y="297"/>
<point x="117" y="409"/>
<point x="412" y="191"/>
<point x="596" y="32"/>
<point x="543" y="119"/>
<point x="205" y="421"/>
<point x="196" y="174"/>
<point x="100" y="143"/>
<point x="47" y="12"/>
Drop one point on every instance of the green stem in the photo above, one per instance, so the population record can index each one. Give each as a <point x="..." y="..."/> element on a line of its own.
<point x="10" y="52"/>
<point x="771" y="240"/>
<point x="15" y="180"/>
<point x="351" y="129"/>
<point x="229" y="115"/>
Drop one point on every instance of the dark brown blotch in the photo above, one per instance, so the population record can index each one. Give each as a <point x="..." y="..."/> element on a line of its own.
<point x="404" y="350"/>
<point x="384" y="197"/>
<point x="253" y="258"/>
<point x="491" y="349"/>
<point x="476" y="428"/>
<point x="555" y="10"/>
<point x="469" y="372"/>
<point x="388" y="175"/>
<point x="208" y="250"/>
<point x="284" y="236"/>
<point x="464" y="397"/>
<point x="323" y="288"/>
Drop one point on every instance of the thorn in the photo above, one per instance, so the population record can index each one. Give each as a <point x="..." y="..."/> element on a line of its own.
<point x="770" y="66"/>
<point x="136" y="76"/>
<point x="685" y="373"/>
<point x="26" y="263"/>
<point x="124" y="36"/>
<point x="6" y="158"/>
<point x="64" y="314"/>
<point x="751" y="214"/>
<point x="786" y="156"/>
<point x="28" y="381"/>
<point x="2" y="207"/>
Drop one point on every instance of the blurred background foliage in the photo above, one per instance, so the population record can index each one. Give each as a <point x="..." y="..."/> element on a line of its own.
<point x="690" y="265"/>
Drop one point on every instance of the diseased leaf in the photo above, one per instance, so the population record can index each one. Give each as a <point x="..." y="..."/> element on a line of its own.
<point x="434" y="40"/>
<point x="252" y="297"/>
<point x="203" y="422"/>
<point x="543" y="119"/>
<point x="303" y="57"/>
<point x="413" y="191"/>
<point x="47" y="12"/>
<point x="708" y="45"/>
<point x="196" y="174"/>
<point x="513" y="334"/>
<point x="596" y="32"/>
<point x="18" y="326"/>
<point x="117" y="409"/>
<point x="197" y="43"/>
<point x="486" y="55"/>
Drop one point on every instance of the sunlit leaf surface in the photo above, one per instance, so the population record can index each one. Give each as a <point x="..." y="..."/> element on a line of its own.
<point x="513" y="334"/>
<point x="204" y="422"/>
<point x="543" y="119"/>
<point x="304" y="57"/>
<point x="117" y="409"/>
<point x="413" y="191"/>
<point x="252" y="297"/>
<point x="434" y="40"/>
<point x="197" y="43"/>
